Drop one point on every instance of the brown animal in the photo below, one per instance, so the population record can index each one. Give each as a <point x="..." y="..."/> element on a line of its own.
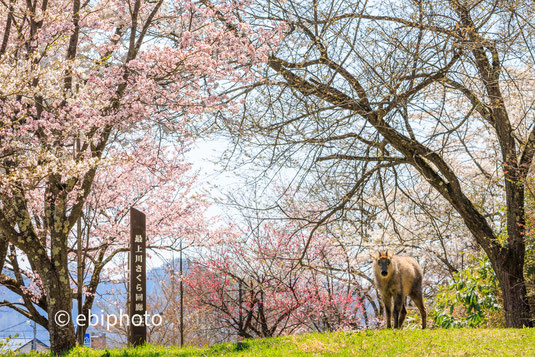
<point x="396" y="278"/>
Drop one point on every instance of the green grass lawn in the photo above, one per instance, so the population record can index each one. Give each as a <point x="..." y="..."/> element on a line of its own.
<point x="454" y="342"/>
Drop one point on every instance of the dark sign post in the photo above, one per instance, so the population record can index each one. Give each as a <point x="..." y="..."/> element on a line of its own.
<point x="138" y="278"/>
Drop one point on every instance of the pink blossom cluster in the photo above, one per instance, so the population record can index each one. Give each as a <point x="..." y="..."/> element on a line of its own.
<point x="50" y="100"/>
<point x="259" y="275"/>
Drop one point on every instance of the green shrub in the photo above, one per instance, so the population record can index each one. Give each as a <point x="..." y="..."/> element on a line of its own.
<point x="471" y="298"/>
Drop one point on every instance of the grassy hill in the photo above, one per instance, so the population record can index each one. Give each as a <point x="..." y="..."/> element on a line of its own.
<point x="454" y="342"/>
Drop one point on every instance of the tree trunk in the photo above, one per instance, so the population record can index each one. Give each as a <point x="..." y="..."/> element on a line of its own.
<point x="509" y="269"/>
<point x="60" y="320"/>
<point x="3" y="251"/>
<point x="61" y="337"/>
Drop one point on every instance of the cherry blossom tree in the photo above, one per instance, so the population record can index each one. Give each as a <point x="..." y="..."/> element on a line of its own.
<point x="256" y="286"/>
<point x="79" y="82"/>
<point x="159" y="185"/>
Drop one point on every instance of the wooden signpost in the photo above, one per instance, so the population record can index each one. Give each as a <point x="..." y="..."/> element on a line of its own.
<point x="138" y="278"/>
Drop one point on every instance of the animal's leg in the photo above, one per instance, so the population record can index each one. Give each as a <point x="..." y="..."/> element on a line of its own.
<point x="419" y="302"/>
<point x="398" y="302"/>
<point x="403" y="313"/>
<point x="387" y="301"/>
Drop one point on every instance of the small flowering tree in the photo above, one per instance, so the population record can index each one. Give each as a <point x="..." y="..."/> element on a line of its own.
<point x="256" y="287"/>
<point x="92" y="85"/>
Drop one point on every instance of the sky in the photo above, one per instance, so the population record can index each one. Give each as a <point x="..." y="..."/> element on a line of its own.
<point x="205" y="156"/>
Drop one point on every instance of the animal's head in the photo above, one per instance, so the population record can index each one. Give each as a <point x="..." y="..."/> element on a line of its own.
<point x="383" y="259"/>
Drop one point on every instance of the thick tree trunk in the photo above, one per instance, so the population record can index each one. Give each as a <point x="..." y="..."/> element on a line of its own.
<point x="509" y="269"/>
<point x="62" y="338"/>
<point x="60" y="321"/>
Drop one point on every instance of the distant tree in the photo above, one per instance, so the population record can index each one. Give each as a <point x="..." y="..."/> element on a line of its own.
<point x="255" y="286"/>
<point x="199" y="327"/>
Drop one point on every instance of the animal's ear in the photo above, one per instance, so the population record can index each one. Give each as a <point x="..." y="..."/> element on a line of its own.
<point x="376" y="256"/>
<point x="389" y="254"/>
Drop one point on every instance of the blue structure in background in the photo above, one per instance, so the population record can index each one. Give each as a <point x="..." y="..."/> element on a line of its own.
<point x="87" y="340"/>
